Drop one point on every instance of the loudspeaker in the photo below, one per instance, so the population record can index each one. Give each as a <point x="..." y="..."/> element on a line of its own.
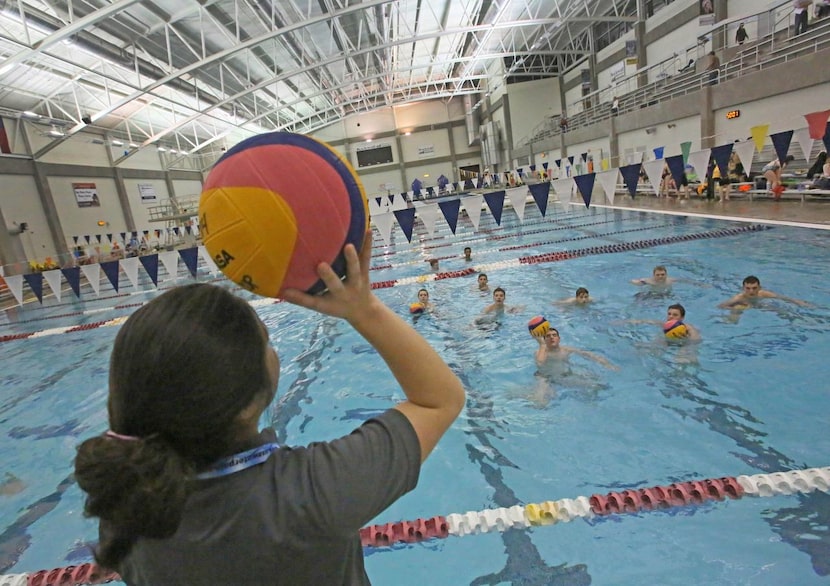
<point x="86" y="119"/>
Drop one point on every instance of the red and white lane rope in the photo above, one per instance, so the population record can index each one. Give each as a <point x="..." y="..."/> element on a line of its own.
<point x="680" y="494"/>
<point x="489" y="267"/>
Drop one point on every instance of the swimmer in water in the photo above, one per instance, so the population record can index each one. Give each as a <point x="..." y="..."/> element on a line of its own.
<point x="582" y="297"/>
<point x="752" y="293"/>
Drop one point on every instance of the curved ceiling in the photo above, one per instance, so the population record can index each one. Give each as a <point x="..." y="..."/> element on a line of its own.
<point x="192" y="75"/>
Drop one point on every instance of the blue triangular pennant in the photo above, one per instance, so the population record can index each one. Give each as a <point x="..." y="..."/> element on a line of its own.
<point x="35" y="281"/>
<point x="631" y="177"/>
<point x="571" y="160"/>
<point x="495" y="201"/>
<point x="110" y="269"/>
<point x="533" y="167"/>
<point x="73" y="277"/>
<point x="150" y="262"/>
<point x="585" y="185"/>
<point x="545" y="165"/>
<point x="721" y="155"/>
<point x="87" y="238"/>
<point x="781" y="142"/>
<point x="406" y="220"/>
<point x="658" y="153"/>
<point x="75" y="239"/>
<point x="677" y="168"/>
<point x="98" y="238"/>
<point x="190" y="256"/>
<point x="558" y="163"/>
<point x="540" y="193"/>
<point x="378" y="200"/>
<point x="450" y="210"/>
<point x="584" y="157"/>
<point x="123" y="236"/>
<point x="109" y="237"/>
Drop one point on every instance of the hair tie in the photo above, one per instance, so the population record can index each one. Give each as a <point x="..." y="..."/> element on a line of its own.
<point x="126" y="438"/>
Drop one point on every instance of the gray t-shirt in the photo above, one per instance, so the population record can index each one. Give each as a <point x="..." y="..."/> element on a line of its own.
<point x="292" y="520"/>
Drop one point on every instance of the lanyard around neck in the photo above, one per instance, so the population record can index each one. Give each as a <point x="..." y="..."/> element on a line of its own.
<point x="237" y="462"/>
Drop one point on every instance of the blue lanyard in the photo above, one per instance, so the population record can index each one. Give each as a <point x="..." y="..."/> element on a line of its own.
<point x="237" y="462"/>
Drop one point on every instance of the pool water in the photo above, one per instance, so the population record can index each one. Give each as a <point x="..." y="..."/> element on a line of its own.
<point x="751" y="398"/>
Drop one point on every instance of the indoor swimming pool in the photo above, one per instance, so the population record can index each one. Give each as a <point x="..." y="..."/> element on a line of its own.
<point x="750" y="398"/>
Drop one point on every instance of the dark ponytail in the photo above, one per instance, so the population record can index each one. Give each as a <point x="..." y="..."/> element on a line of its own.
<point x="182" y="368"/>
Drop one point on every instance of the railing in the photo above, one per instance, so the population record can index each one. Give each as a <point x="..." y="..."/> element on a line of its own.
<point x="777" y="47"/>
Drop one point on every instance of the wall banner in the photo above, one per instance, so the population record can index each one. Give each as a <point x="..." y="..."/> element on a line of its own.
<point x="86" y="194"/>
<point x="147" y="192"/>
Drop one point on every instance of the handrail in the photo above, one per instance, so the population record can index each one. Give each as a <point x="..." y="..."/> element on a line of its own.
<point x="762" y="54"/>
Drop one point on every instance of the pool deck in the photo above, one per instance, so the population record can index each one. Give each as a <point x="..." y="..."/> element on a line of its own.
<point x="812" y="213"/>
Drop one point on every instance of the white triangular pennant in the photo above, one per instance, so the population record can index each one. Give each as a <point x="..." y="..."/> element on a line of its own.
<point x="384" y="222"/>
<point x="654" y="172"/>
<point x="518" y="199"/>
<point x="428" y="212"/>
<point x="130" y="266"/>
<point x="802" y="135"/>
<point x="746" y="152"/>
<point x="170" y="260"/>
<point x="54" y="279"/>
<point x="563" y="187"/>
<point x="472" y="203"/>
<point x="700" y="161"/>
<point x="93" y="276"/>
<point x="608" y="181"/>
<point x="15" y="284"/>
<point x="209" y="264"/>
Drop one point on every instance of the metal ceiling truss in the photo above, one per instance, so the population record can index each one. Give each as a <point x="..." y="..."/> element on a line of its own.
<point x="192" y="73"/>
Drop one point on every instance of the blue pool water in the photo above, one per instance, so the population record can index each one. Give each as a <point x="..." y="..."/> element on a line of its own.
<point x="751" y="398"/>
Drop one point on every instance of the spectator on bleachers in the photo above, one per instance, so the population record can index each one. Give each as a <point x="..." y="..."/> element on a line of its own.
<point x="801" y="15"/>
<point x="741" y="35"/>
<point x="818" y="166"/>
<point x="822" y="9"/>
<point x="713" y="67"/>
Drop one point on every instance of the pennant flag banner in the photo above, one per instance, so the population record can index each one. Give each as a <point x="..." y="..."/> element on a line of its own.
<point x="495" y="201"/>
<point x="472" y="204"/>
<point x="746" y="152"/>
<point x="545" y="165"/>
<point x="75" y="239"/>
<point x="130" y="266"/>
<point x="406" y="220"/>
<point x="759" y="135"/>
<point x="658" y="152"/>
<point x="654" y="172"/>
<point x="676" y="168"/>
<point x="150" y="262"/>
<point x="35" y="281"/>
<point x="109" y="237"/>
<point x="540" y="193"/>
<point x="110" y="269"/>
<point x="93" y="276"/>
<point x="86" y="237"/>
<point x="721" y="155"/>
<point x="631" y="176"/>
<point x="450" y="209"/>
<point x="781" y="142"/>
<point x="571" y="160"/>
<point x="190" y="259"/>
<point x="563" y="187"/>
<point x="802" y="136"/>
<point x="817" y="122"/>
<point x="608" y="182"/>
<point x="585" y="185"/>
<point x="584" y="157"/>
<point x="428" y="212"/>
<point x="699" y="160"/>
<point x="558" y="163"/>
<point x="686" y="148"/>
<point x="73" y="277"/>
<point x="533" y="167"/>
<point x="384" y="222"/>
<point x="15" y="285"/>
<point x="53" y="277"/>
<point x="518" y="199"/>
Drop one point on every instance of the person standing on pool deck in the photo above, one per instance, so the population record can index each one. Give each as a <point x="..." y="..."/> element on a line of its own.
<point x="752" y="293"/>
<point x="189" y="491"/>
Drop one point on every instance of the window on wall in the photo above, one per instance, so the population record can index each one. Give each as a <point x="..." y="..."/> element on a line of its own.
<point x="374" y="155"/>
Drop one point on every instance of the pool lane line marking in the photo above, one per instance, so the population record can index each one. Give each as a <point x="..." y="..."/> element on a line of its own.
<point x="690" y="493"/>
<point x="419" y="279"/>
<point x="743" y="219"/>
